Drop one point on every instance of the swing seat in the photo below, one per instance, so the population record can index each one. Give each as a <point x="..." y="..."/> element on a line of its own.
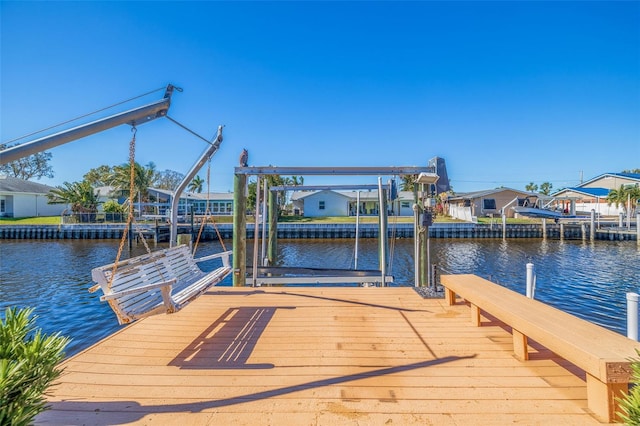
<point x="160" y="282"/>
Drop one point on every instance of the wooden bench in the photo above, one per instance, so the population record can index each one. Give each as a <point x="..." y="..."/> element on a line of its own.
<point x="603" y="354"/>
<point x="160" y="282"/>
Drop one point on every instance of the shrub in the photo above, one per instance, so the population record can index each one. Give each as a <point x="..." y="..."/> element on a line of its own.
<point x="630" y="403"/>
<point x="112" y="206"/>
<point x="28" y="366"/>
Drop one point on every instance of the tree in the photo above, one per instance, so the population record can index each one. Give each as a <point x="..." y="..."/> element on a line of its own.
<point x="531" y="187"/>
<point x="274" y="180"/>
<point x="168" y="179"/>
<point x="408" y="182"/>
<point x="143" y="178"/>
<point x="196" y="185"/>
<point x="545" y="188"/>
<point x="34" y="166"/>
<point x="80" y="195"/>
<point x="622" y="195"/>
<point x="99" y="176"/>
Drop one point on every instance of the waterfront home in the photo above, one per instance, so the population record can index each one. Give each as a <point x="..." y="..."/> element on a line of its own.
<point x="471" y="205"/>
<point x="159" y="201"/>
<point x="23" y="198"/>
<point x="345" y="203"/>
<point x="592" y="194"/>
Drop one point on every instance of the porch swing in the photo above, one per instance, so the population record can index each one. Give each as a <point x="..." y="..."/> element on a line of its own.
<point x="163" y="281"/>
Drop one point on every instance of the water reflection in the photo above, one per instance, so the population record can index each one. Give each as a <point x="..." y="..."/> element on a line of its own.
<point x="587" y="279"/>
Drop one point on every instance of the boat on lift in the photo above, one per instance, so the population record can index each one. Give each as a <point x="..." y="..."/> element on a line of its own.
<point x="542" y="208"/>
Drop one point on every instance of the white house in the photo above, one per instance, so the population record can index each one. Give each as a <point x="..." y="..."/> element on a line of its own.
<point x="345" y="203"/>
<point x="23" y="198"/>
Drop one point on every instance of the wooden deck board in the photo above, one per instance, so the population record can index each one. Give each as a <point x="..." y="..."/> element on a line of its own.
<point x="315" y="356"/>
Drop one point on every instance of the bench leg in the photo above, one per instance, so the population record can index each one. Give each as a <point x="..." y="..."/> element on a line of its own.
<point x="520" y="346"/>
<point x="449" y="297"/>
<point x="475" y="315"/>
<point x="601" y="398"/>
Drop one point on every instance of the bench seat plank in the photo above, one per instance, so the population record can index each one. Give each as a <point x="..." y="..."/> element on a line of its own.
<point x="603" y="354"/>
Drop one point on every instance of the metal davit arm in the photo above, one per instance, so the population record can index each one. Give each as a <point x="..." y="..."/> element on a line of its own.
<point x="132" y="117"/>
<point x="207" y="154"/>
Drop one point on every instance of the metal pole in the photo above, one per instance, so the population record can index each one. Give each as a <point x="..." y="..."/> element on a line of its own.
<point x="272" y="245"/>
<point x="355" y="264"/>
<point x="504" y="226"/>
<point x="264" y="225"/>
<point x="416" y="244"/>
<point x="382" y="214"/>
<point x="530" y="280"/>
<point x="256" y="235"/>
<point x="632" y="316"/>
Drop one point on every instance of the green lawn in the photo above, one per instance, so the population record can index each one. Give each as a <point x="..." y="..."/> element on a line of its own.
<point x="55" y="220"/>
<point x="41" y="220"/>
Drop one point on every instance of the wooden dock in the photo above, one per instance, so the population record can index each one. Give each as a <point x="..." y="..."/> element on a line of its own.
<point x="316" y="356"/>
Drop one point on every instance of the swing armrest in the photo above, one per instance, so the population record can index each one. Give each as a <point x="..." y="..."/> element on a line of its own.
<point x="140" y="289"/>
<point x="224" y="255"/>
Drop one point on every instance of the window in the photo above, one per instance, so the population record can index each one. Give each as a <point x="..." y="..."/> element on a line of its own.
<point x="2" y="205"/>
<point x="488" y="204"/>
<point x="320" y="205"/>
<point x="405" y="204"/>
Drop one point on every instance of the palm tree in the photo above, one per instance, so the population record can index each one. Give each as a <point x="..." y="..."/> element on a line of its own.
<point x="408" y="182"/>
<point x="143" y="178"/>
<point x="545" y="188"/>
<point x="620" y="196"/>
<point x="80" y="195"/>
<point x="196" y="184"/>
<point x="531" y="187"/>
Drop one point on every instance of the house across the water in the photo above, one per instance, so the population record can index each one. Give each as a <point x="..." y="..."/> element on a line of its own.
<point x="348" y="203"/>
<point x="23" y="198"/>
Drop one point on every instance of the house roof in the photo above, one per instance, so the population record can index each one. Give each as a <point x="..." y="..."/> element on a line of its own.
<point x="592" y="192"/>
<point x="486" y="192"/>
<point x="631" y="176"/>
<point x="12" y="184"/>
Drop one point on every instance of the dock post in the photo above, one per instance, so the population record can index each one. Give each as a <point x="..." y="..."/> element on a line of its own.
<point x="239" y="230"/>
<point x="592" y="226"/>
<point x="632" y="316"/>
<point x="638" y="228"/>
<point x="544" y="228"/>
<point x="504" y="226"/>
<point x="531" y="280"/>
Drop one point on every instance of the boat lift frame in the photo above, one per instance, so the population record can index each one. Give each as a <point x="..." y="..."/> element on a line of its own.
<point x="313" y="276"/>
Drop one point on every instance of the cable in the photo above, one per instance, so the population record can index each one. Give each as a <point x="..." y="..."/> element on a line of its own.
<point x="188" y="130"/>
<point x="82" y="116"/>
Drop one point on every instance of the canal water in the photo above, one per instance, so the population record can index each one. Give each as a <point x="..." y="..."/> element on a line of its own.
<point x="589" y="280"/>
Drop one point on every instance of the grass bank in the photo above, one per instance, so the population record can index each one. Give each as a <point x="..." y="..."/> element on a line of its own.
<point x="55" y="220"/>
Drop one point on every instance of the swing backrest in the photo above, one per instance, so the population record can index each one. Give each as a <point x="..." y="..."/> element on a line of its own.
<point x="136" y="290"/>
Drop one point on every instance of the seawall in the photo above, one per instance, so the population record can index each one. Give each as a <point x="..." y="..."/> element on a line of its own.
<point x="320" y="231"/>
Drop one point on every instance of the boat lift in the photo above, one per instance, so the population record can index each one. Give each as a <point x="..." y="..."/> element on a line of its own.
<point x="269" y="274"/>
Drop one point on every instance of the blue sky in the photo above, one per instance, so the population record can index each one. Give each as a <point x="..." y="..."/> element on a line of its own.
<point x="506" y="92"/>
